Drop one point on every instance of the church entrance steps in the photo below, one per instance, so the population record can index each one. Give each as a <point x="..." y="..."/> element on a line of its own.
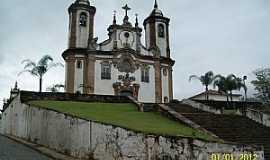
<point x="230" y="128"/>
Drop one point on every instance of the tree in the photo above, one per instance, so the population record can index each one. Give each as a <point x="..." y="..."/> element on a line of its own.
<point x="55" y="88"/>
<point x="229" y="84"/>
<point x="206" y="80"/>
<point x="262" y="84"/>
<point x="40" y="68"/>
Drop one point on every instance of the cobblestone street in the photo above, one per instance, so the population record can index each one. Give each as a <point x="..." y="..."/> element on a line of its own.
<point x="11" y="150"/>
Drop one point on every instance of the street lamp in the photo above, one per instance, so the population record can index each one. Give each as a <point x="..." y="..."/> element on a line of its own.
<point x="244" y="80"/>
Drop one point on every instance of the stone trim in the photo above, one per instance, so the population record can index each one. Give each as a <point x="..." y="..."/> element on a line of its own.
<point x="73" y="30"/>
<point x="70" y="64"/>
<point x="170" y="79"/>
<point x="81" y="51"/>
<point x="168" y="41"/>
<point x="158" y="82"/>
<point x="152" y="36"/>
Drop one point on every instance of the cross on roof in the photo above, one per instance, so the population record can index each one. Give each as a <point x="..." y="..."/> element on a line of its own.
<point x="127" y="9"/>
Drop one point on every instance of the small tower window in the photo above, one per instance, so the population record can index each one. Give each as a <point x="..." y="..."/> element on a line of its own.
<point x="145" y="74"/>
<point x="79" y="64"/>
<point x="83" y="19"/>
<point x="165" y="72"/>
<point x="161" y="32"/>
<point x="105" y="71"/>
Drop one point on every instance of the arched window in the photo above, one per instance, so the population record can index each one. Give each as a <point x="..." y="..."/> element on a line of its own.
<point x="79" y="64"/>
<point x="83" y="19"/>
<point x="161" y="31"/>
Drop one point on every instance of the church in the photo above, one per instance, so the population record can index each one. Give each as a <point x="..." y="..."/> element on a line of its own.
<point x="120" y="65"/>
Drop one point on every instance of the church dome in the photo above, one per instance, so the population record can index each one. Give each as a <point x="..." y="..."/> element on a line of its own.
<point x="157" y="12"/>
<point x="83" y="2"/>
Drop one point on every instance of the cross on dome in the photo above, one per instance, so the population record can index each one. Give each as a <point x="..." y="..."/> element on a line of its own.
<point x="126" y="8"/>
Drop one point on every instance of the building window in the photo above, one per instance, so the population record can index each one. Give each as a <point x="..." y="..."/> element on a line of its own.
<point x="83" y="19"/>
<point x="161" y="32"/>
<point x="145" y="74"/>
<point x="165" y="72"/>
<point x="105" y="71"/>
<point x="79" y="64"/>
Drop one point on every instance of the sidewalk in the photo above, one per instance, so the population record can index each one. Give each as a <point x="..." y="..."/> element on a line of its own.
<point x="43" y="150"/>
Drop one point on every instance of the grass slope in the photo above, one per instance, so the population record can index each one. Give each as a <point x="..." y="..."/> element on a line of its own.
<point x="124" y="115"/>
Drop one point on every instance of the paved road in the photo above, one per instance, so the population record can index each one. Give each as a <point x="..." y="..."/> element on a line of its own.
<point x="11" y="150"/>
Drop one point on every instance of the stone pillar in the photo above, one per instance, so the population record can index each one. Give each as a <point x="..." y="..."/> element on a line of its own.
<point x="70" y="74"/>
<point x="90" y="83"/>
<point x="73" y="29"/>
<point x="170" y="84"/>
<point x="158" y="81"/>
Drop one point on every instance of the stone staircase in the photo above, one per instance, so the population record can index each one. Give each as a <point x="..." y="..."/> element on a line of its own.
<point x="230" y="128"/>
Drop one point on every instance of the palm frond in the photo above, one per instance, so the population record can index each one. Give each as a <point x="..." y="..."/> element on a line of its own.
<point x="30" y="65"/>
<point x="45" y="60"/>
<point x="52" y="65"/>
<point x="32" y="72"/>
<point x="194" y="77"/>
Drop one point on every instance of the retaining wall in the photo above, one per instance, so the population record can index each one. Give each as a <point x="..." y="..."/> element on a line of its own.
<point x="92" y="140"/>
<point x="258" y="116"/>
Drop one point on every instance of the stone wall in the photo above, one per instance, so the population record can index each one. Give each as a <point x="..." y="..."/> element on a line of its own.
<point x="88" y="139"/>
<point x="202" y="106"/>
<point x="258" y="116"/>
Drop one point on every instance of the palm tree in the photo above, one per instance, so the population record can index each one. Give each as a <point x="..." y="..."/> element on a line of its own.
<point x="222" y="83"/>
<point x="40" y="68"/>
<point x="206" y="80"/>
<point x="229" y="84"/>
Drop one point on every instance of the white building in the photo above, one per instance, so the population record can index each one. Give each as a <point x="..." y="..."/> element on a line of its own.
<point x="121" y="65"/>
<point x="216" y="96"/>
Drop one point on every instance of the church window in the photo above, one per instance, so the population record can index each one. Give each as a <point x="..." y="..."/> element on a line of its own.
<point x="145" y="74"/>
<point x="83" y="19"/>
<point x="105" y="71"/>
<point x="79" y="64"/>
<point x="165" y="72"/>
<point x="161" y="32"/>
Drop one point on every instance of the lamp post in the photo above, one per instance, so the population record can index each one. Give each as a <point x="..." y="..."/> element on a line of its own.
<point x="244" y="80"/>
<point x="245" y="88"/>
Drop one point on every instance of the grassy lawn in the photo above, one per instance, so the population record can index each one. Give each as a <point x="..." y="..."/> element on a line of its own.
<point x="124" y="115"/>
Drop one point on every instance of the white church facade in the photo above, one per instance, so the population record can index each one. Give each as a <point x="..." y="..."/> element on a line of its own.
<point x="121" y="65"/>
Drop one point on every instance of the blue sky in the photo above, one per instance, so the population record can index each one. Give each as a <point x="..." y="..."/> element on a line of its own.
<point x="226" y="37"/>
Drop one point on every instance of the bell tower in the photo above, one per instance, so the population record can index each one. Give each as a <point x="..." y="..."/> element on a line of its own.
<point x="81" y="24"/>
<point x="157" y="31"/>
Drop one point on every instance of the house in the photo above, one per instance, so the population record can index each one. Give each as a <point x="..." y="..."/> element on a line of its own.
<point x="216" y="96"/>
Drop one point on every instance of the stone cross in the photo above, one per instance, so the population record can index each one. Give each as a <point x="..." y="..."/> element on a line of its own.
<point x="126" y="8"/>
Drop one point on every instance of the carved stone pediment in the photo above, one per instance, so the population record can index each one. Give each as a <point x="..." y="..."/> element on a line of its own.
<point x="126" y="63"/>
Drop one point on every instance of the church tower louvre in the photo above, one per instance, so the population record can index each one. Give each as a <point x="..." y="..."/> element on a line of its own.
<point x="157" y="31"/>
